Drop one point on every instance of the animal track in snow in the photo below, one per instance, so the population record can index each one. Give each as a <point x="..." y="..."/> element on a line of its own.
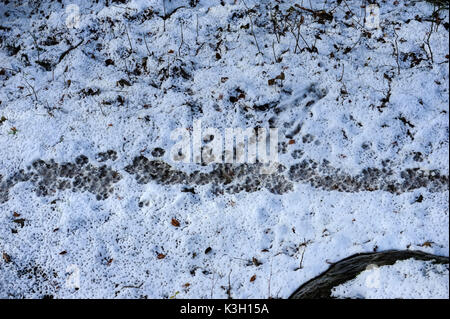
<point x="81" y="176"/>
<point x="48" y="177"/>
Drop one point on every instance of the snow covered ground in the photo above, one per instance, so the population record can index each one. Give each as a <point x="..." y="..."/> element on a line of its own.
<point x="81" y="78"/>
<point x="405" y="279"/>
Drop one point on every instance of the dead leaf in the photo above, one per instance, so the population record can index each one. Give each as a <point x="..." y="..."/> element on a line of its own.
<point x="256" y="262"/>
<point x="6" y="258"/>
<point x="253" y="278"/>
<point x="427" y="244"/>
<point x="175" y="222"/>
<point x="282" y="76"/>
<point x="20" y="221"/>
<point x="161" y="256"/>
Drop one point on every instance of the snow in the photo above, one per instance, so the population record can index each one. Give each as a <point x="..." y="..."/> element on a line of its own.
<point x="114" y="243"/>
<point x="405" y="279"/>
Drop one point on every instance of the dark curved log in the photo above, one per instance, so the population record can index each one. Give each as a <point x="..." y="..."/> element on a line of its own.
<point x="350" y="267"/>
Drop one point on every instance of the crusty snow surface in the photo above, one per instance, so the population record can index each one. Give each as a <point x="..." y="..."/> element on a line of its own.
<point x="405" y="279"/>
<point x="352" y="96"/>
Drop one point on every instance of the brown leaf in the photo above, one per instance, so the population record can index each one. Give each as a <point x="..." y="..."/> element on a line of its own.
<point x="20" y="221"/>
<point x="6" y="258"/>
<point x="302" y="20"/>
<point x="282" y="76"/>
<point x="271" y="82"/>
<point x="427" y="244"/>
<point x="256" y="262"/>
<point x="175" y="222"/>
<point x="16" y="214"/>
<point x="291" y="142"/>
<point x="253" y="278"/>
<point x="161" y="256"/>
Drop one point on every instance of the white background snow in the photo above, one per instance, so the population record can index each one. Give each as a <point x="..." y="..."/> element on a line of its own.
<point x="115" y="243"/>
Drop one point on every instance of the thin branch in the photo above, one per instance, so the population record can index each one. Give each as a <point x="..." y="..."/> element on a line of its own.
<point x="128" y="36"/>
<point x="342" y="74"/>
<point x="427" y="41"/>
<point x="251" y="27"/>
<point x="36" y="45"/>
<point x="32" y="89"/>
<point x="62" y="56"/>
<point x="273" y="50"/>
<point x="396" y="51"/>
<point x="165" y="16"/>
<point x="301" y="259"/>
<point x="196" y="32"/>
<point x="275" y="26"/>
<point x="182" y="38"/>
<point x="146" y="45"/>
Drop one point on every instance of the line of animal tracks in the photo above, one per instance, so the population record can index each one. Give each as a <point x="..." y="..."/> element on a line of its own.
<point x="82" y="175"/>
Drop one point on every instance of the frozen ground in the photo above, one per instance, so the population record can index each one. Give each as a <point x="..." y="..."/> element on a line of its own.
<point x="405" y="279"/>
<point x="80" y="78"/>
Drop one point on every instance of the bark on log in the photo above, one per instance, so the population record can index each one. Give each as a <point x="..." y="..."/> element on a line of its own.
<point x="347" y="269"/>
